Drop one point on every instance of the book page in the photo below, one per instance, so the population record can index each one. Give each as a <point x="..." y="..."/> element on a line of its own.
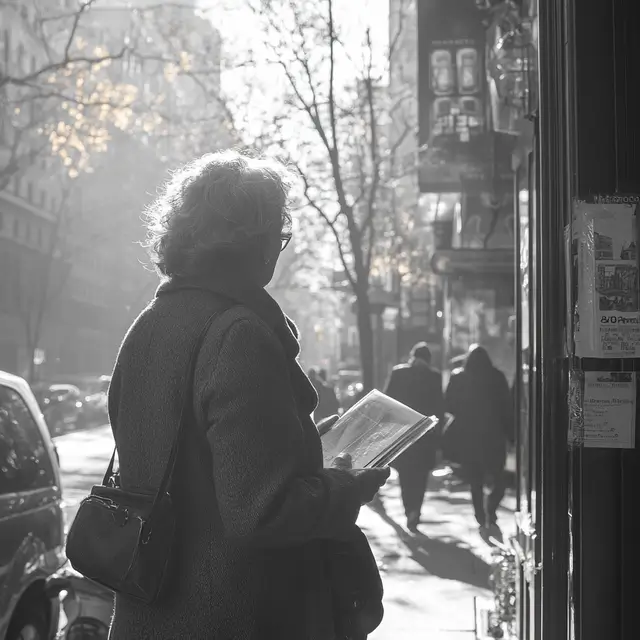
<point x="375" y="426"/>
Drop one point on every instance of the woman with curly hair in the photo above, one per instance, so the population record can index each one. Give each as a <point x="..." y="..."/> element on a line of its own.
<point x="267" y="545"/>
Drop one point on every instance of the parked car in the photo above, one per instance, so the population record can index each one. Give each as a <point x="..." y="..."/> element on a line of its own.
<point x="94" y="404"/>
<point x="61" y="404"/>
<point x="31" y="518"/>
<point x="94" y="410"/>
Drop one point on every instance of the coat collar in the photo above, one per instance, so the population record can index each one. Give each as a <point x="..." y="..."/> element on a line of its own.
<point x="253" y="297"/>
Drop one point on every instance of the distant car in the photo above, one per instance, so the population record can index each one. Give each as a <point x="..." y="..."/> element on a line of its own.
<point x="31" y="518"/>
<point x="93" y="396"/>
<point x="94" y="409"/>
<point x="61" y="404"/>
<point x="345" y="379"/>
<point x="352" y="394"/>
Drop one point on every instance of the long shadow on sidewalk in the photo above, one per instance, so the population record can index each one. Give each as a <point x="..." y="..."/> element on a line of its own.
<point x="443" y="559"/>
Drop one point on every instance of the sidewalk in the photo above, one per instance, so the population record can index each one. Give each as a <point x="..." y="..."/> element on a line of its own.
<point x="430" y="578"/>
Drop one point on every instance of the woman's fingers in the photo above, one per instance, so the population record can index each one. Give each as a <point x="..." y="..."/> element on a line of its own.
<point x="343" y="461"/>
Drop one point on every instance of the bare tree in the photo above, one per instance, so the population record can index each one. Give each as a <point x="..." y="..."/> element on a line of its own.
<point x="40" y="281"/>
<point x="332" y="127"/>
<point x="81" y="77"/>
<point x="85" y="79"/>
<point x="55" y="95"/>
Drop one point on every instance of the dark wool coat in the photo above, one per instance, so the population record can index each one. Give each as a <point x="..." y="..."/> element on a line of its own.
<point x="483" y="410"/>
<point x="419" y="386"/>
<point x="257" y="512"/>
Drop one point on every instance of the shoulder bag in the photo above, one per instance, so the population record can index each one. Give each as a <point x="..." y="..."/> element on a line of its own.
<point x="123" y="540"/>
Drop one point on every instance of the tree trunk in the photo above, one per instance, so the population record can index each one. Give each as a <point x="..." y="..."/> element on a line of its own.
<point x="31" y="371"/>
<point x="365" y="335"/>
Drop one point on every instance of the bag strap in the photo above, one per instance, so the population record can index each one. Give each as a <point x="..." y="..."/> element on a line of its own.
<point x="184" y="412"/>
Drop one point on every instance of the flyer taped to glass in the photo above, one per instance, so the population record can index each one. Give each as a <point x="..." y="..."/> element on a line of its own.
<point x="608" y="316"/>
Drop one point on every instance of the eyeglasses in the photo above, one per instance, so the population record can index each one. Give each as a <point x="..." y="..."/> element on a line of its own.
<point x="285" y="239"/>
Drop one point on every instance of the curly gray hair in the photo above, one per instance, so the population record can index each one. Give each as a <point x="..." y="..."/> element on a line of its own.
<point x="225" y="201"/>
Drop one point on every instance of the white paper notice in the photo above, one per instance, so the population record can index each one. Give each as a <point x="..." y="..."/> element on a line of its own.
<point x="609" y="405"/>
<point x="608" y="318"/>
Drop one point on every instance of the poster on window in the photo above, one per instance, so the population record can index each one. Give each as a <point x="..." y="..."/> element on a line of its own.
<point x="609" y="410"/>
<point x="607" y="310"/>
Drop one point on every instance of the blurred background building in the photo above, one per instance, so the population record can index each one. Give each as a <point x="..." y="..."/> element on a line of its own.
<point x="71" y="279"/>
<point x="454" y="184"/>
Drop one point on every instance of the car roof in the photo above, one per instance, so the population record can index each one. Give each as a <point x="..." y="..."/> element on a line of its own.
<point x="63" y="387"/>
<point x="17" y="382"/>
<point x="22" y="387"/>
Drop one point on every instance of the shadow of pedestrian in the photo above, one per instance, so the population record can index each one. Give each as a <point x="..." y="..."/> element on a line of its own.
<point x="444" y="559"/>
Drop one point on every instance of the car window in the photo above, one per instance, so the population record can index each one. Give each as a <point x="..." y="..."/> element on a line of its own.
<point x="24" y="461"/>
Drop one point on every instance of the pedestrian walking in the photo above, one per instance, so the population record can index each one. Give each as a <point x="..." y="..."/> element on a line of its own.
<point x="328" y="404"/>
<point x="479" y="398"/>
<point x="266" y="540"/>
<point x="418" y="385"/>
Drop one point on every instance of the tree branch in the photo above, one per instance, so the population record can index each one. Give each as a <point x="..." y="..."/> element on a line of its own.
<point x="331" y="225"/>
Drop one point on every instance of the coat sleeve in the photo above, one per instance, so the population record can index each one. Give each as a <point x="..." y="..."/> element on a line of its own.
<point x="256" y="440"/>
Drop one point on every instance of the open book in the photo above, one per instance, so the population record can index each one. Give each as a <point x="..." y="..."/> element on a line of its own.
<point x="375" y="431"/>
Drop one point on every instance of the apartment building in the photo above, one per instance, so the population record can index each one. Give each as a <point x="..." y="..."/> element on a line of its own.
<point x="418" y="215"/>
<point x="71" y="272"/>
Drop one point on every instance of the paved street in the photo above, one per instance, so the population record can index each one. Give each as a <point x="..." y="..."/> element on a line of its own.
<point x="430" y="578"/>
<point x="84" y="456"/>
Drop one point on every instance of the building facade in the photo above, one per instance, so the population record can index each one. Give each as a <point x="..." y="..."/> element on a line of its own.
<point x="72" y="274"/>
<point x="558" y="104"/>
<point x="421" y="216"/>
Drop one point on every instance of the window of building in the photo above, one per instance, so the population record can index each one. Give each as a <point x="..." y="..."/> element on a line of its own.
<point x="42" y="200"/>
<point x="24" y="461"/>
<point x="442" y="74"/>
<point x="16" y="228"/>
<point x="30" y="190"/>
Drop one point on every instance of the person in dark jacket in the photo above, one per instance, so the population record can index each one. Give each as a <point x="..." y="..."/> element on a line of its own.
<point x="266" y="537"/>
<point x="478" y="396"/>
<point x="328" y="404"/>
<point x="418" y="385"/>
